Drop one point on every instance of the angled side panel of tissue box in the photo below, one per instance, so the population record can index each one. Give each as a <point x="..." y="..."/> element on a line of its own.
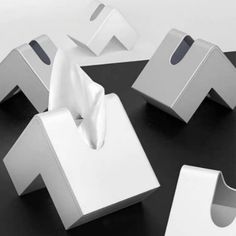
<point x="203" y="205"/>
<point x="28" y="67"/>
<point x="99" y="24"/>
<point x="83" y="183"/>
<point x="182" y="72"/>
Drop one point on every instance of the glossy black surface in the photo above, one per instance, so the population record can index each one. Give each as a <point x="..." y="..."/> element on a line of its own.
<point x="209" y="140"/>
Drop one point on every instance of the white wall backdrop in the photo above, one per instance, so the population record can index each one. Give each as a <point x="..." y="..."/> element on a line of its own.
<point x="23" y="20"/>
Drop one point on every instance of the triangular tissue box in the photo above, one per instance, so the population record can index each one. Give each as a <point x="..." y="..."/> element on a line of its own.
<point x="203" y="205"/>
<point x="28" y="68"/>
<point x="83" y="183"/>
<point x="182" y="72"/>
<point x="99" y="24"/>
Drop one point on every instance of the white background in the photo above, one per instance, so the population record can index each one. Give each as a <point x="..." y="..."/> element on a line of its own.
<point x="212" y="20"/>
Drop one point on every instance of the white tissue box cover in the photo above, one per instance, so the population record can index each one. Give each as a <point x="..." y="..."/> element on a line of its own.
<point x="99" y="24"/>
<point x="83" y="183"/>
<point x="179" y="88"/>
<point x="203" y="205"/>
<point x="24" y="69"/>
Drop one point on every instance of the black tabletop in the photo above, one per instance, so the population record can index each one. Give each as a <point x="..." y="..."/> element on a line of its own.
<point x="208" y="140"/>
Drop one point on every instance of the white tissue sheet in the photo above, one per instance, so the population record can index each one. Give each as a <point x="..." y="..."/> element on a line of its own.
<point x="72" y="88"/>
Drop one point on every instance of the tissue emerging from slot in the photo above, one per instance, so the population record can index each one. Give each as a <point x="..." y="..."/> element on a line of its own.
<point x="72" y="88"/>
